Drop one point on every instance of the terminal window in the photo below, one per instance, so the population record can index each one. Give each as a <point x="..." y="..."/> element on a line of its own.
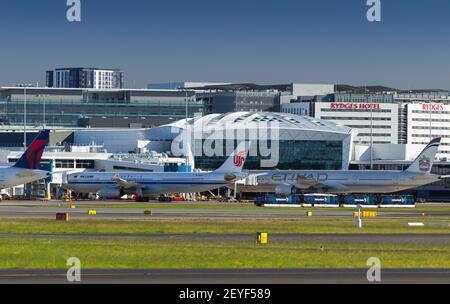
<point x="64" y="163"/>
<point x="85" y="164"/>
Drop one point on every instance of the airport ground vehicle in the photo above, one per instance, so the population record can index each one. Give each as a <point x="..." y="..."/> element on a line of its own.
<point x="330" y="200"/>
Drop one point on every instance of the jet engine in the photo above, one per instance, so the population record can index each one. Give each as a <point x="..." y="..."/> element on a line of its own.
<point x="286" y="189"/>
<point x="110" y="193"/>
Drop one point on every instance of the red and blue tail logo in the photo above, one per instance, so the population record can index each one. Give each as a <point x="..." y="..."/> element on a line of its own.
<point x="239" y="159"/>
<point x="31" y="159"/>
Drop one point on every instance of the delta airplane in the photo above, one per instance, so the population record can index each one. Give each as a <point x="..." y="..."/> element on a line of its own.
<point x="26" y="169"/>
<point x="289" y="182"/>
<point x="110" y="185"/>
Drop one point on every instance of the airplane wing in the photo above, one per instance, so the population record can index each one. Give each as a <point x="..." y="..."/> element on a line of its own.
<point x="444" y="176"/>
<point x="233" y="177"/>
<point x="26" y="173"/>
<point x="122" y="183"/>
<point x="305" y="182"/>
<point x="230" y="177"/>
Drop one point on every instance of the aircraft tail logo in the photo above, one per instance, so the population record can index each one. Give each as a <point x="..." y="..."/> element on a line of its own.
<point x="424" y="162"/>
<point x="31" y="159"/>
<point x="239" y="159"/>
<point x="236" y="160"/>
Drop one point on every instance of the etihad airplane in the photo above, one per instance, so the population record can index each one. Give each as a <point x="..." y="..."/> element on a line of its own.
<point x="289" y="182"/>
<point x="110" y="185"/>
<point x="26" y="169"/>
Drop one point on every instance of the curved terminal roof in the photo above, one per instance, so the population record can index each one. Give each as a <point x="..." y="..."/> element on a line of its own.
<point x="284" y="121"/>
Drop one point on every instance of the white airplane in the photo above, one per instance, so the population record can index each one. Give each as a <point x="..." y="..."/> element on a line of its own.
<point x="289" y="182"/>
<point x="109" y="185"/>
<point x="26" y="169"/>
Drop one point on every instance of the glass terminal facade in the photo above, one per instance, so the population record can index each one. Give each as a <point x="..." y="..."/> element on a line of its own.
<point x="64" y="107"/>
<point x="295" y="155"/>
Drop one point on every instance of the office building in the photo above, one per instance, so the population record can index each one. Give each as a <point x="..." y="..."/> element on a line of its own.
<point x="240" y="101"/>
<point x="85" y="78"/>
<point x="182" y="85"/>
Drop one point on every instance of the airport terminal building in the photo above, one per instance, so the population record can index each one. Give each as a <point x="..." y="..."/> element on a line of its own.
<point x="303" y="142"/>
<point x="68" y="107"/>
<point x="279" y="141"/>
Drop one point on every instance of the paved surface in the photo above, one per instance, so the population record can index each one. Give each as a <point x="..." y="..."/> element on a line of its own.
<point x="138" y="213"/>
<point x="35" y="210"/>
<point x="227" y="276"/>
<point x="400" y="239"/>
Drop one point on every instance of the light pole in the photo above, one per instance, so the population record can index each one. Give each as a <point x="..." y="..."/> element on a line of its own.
<point x="187" y="136"/>
<point x="371" y="129"/>
<point x="431" y="125"/>
<point x="43" y="113"/>
<point x="25" y="117"/>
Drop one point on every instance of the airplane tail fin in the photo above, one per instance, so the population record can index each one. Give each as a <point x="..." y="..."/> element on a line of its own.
<point x="235" y="162"/>
<point x="424" y="162"/>
<point x="31" y="159"/>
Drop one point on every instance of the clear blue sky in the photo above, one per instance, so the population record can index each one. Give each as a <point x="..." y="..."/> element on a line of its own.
<point x="260" y="41"/>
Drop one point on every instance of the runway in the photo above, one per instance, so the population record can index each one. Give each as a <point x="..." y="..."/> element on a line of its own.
<point x="167" y="213"/>
<point x="40" y="210"/>
<point x="400" y="239"/>
<point x="227" y="276"/>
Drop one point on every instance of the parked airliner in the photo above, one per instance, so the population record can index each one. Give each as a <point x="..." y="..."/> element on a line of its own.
<point x="109" y="185"/>
<point x="346" y="181"/>
<point x="26" y="169"/>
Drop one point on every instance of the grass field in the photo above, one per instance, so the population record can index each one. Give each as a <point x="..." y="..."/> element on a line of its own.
<point x="127" y="253"/>
<point x="185" y="226"/>
<point x="52" y="252"/>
